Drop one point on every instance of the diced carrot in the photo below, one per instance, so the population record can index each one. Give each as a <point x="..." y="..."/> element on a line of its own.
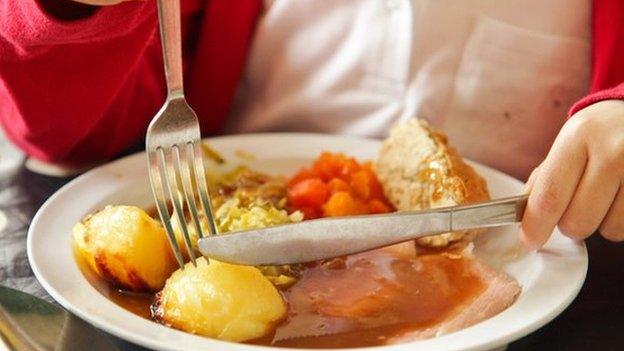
<point x="374" y="184"/>
<point x="360" y="182"/>
<point x="376" y="189"/>
<point x="303" y="174"/>
<point x="335" y="165"/>
<point x="325" y="166"/>
<point x="311" y="212"/>
<point x="369" y="166"/>
<point x="349" y="167"/>
<point x="337" y="184"/>
<point x="378" y="206"/>
<point x="366" y="185"/>
<point x="308" y="193"/>
<point x="343" y="204"/>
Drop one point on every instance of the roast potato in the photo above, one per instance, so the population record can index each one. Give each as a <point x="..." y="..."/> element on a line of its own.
<point x="127" y="247"/>
<point x="220" y="300"/>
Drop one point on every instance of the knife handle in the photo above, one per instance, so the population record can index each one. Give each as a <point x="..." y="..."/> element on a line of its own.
<point x="489" y="214"/>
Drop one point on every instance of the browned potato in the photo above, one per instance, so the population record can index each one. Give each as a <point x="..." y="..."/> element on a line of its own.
<point x="220" y="300"/>
<point x="127" y="247"/>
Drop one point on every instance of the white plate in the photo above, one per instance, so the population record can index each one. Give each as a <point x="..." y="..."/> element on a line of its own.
<point x="550" y="279"/>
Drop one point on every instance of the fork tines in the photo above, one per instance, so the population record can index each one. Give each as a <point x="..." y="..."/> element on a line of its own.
<point x="173" y="172"/>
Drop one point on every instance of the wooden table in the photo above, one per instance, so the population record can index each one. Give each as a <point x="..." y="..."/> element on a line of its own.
<point x="594" y="321"/>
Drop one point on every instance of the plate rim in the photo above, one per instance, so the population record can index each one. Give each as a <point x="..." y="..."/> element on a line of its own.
<point x="145" y="340"/>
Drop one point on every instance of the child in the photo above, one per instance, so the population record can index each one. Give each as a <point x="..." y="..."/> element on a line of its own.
<point x="81" y="83"/>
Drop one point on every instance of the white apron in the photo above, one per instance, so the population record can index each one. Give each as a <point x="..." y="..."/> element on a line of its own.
<point x="497" y="75"/>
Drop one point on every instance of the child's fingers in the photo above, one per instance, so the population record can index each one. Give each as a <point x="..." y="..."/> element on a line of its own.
<point x="552" y="190"/>
<point x="612" y="227"/>
<point x="529" y="183"/>
<point x="591" y="201"/>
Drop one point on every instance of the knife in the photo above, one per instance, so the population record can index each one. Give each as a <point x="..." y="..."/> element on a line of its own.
<point x="28" y="323"/>
<point x="332" y="237"/>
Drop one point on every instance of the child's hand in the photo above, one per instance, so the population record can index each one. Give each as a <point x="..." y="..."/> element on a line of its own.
<point x="580" y="184"/>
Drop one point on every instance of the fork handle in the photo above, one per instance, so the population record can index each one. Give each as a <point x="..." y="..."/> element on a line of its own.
<point x="170" y="38"/>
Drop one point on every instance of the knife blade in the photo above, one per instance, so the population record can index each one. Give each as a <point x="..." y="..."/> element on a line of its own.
<point x="332" y="237"/>
<point x="28" y="323"/>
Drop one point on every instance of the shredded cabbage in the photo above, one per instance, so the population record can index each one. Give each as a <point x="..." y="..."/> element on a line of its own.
<point x="231" y="216"/>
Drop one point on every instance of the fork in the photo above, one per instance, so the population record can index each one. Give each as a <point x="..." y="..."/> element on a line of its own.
<point x="173" y="141"/>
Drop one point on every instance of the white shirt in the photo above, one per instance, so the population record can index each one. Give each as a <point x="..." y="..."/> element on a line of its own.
<point x="496" y="75"/>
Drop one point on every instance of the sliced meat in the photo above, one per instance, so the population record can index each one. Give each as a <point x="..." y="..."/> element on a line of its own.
<point x="501" y="292"/>
<point x="385" y="296"/>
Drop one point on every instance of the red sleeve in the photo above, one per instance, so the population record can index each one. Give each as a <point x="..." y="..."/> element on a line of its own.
<point x="607" y="53"/>
<point x="61" y="79"/>
<point x="615" y="93"/>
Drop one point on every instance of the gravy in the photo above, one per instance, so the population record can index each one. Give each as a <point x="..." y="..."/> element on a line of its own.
<point x="361" y="300"/>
